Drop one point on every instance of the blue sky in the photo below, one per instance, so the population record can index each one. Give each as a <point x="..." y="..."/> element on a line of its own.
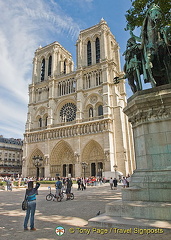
<point x="25" y="25"/>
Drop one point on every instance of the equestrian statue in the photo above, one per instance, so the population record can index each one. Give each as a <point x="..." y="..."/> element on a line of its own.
<point x="148" y="57"/>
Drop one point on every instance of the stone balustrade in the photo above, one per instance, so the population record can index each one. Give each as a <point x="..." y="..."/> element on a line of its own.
<point x="65" y="131"/>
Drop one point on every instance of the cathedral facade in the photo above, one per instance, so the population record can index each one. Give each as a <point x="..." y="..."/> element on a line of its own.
<point x="75" y="121"/>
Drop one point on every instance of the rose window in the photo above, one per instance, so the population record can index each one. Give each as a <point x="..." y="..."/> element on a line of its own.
<point x="68" y="112"/>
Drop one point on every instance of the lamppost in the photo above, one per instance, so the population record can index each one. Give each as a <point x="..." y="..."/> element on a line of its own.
<point x="84" y="165"/>
<point x="37" y="160"/>
<point x="115" y="168"/>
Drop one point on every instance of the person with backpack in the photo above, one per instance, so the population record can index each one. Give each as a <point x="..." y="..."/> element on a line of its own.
<point x="58" y="185"/>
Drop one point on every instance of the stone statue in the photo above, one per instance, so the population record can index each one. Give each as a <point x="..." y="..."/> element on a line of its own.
<point x="151" y="56"/>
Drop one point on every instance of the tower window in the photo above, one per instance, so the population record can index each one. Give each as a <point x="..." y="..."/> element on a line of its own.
<point x="97" y="50"/>
<point x="50" y="66"/>
<point x="89" y="53"/>
<point x="89" y="82"/>
<point x="64" y="67"/>
<point x="43" y="70"/>
<point x="98" y="79"/>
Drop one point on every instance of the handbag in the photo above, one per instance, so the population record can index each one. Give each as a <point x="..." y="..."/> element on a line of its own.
<point x="25" y="204"/>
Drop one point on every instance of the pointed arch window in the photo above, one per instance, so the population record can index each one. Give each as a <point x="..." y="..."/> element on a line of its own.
<point x="100" y="110"/>
<point x="40" y="122"/>
<point x="89" y="53"/>
<point x="43" y="70"/>
<point x="46" y="121"/>
<point x="50" y="66"/>
<point x="97" y="50"/>
<point x="90" y="112"/>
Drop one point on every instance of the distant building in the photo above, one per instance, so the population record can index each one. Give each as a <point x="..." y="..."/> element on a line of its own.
<point x="75" y="119"/>
<point x="11" y="154"/>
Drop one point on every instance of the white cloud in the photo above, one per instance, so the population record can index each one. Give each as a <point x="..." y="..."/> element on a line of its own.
<point x="24" y="25"/>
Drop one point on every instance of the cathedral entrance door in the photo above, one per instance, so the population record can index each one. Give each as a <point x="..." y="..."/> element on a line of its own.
<point x="99" y="169"/>
<point x="71" y="169"/>
<point x="64" y="170"/>
<point x="93" y="169"/>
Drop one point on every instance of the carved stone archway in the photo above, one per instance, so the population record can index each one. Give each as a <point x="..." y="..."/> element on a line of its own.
<point x="62" y="156"/>
<point x="93" y="154"/>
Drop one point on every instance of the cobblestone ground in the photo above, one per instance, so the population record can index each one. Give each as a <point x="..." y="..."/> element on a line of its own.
<point x="72" y="215"/>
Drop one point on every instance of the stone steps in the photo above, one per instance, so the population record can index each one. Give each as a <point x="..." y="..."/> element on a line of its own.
<point x="105" y="221"/>
<point x="139" y="209"/>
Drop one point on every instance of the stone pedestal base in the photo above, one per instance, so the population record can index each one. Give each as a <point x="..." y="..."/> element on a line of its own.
<point x="139" y="209"/>
<point x="149" y="195"/>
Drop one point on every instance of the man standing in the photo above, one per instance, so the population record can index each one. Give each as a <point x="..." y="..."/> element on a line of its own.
<point x="115" y="183"/>
<point x="68" y="190"/>
<point x="58" y="185"/>
<point x="79" y="184"/>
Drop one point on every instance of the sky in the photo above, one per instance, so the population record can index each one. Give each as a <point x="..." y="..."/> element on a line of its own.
<point x="26" y="25"/>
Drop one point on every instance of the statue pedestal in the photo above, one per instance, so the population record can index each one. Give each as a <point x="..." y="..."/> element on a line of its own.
<point x="149" y="195"/>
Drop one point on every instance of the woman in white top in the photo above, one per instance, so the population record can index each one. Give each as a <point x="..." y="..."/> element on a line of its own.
<point x="124" y="181"/>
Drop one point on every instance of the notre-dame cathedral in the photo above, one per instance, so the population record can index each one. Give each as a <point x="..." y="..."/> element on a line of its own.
<point x="76" y="117"/>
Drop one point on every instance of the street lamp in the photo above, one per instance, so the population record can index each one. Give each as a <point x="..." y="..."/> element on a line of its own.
<point x="84" y="165"/>
<point x="115" y="168"/>
<point x="37" y="160"/>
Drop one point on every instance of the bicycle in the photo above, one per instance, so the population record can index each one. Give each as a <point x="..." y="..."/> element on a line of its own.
<point x="71" y="194"/>
<point x="51" y="196"/>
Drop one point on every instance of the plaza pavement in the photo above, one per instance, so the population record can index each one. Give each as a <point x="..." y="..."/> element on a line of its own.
<point x="72" y="215"/>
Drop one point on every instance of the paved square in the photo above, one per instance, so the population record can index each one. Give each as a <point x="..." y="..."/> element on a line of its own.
<point x="72" y="215"/>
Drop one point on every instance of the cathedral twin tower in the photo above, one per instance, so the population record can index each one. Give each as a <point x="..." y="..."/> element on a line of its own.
<point x="75" y="118"/>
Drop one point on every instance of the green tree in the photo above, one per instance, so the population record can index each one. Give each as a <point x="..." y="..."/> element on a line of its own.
<point x="135" y="15"/>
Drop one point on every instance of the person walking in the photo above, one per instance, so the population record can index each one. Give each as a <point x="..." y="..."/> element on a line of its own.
<point x="82" y="184"/>
<point x="115" y="183"/>
<point x="79" y="184"/>
<point x="30" y="212"/>
<point x="111" y="183"/>
<point x="128" y="180"/>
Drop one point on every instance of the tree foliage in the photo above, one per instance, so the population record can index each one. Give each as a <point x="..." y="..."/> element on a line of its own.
<point x="136" y="14"/>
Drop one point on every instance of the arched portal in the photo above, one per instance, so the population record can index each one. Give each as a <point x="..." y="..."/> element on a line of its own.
<point x="93" y="155"/>
<point x="62" y="161"/>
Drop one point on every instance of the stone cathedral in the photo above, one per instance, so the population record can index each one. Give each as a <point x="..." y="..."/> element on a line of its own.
<point x="76" y="117"/>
